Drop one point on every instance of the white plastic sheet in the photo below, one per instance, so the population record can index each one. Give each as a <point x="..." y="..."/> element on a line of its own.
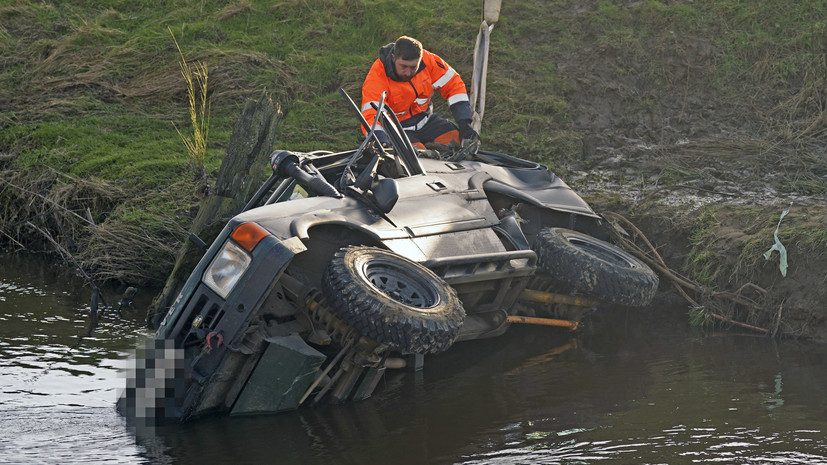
<point x="782" y="251"/>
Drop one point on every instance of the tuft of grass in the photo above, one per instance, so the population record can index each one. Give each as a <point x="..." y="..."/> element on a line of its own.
<point x="703" y="263"/>
<point x="199" y="110"/>
<point x="699" y="317"/>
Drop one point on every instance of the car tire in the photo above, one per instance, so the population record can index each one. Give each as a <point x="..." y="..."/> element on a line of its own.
<point x="595" y="268"/>
<point x="392" y="300"/>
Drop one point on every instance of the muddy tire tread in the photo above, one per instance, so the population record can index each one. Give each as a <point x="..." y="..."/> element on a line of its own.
<point x="384" y="320"/>
<point x="631" y="284"/>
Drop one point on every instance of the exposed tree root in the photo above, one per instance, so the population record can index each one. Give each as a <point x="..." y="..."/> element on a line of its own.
<point x="682" y="284"/>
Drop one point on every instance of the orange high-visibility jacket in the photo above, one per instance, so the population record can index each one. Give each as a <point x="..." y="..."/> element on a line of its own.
<point x="411" y="101"/>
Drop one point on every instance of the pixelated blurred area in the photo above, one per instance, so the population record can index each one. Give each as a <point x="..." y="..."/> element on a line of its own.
<point x="154" y="380"/>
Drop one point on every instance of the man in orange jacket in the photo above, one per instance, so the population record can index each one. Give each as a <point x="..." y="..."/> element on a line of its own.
<point x="410" y="75"/>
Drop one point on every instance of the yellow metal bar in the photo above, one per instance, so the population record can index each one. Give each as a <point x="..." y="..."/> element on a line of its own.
<point x="572" y="325"/>
<point x="549" y="298"/>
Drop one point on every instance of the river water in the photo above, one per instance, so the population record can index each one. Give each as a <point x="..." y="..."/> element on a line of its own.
<point x="633" y="387"/>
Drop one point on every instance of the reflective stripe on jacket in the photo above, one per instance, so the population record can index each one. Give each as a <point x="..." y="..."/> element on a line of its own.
<point x="410" y="100"/>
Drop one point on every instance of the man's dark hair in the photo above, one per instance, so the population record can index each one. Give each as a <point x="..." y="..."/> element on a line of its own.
<point x="407" y="48"/>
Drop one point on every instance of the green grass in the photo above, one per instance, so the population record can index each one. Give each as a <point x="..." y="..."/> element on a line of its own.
<point x="701" y="261"/>
<point x="106" y="146"/>
<point x="303" y="51"/>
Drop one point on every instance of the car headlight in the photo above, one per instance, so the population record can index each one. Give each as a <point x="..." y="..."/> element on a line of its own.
<point x="226" y="269"/>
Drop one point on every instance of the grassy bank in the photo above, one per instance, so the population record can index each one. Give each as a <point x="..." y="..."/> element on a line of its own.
<point x="91" y="93"/>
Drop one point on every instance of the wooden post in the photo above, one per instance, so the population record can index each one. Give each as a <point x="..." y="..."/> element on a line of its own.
<point x="244" y="167"/>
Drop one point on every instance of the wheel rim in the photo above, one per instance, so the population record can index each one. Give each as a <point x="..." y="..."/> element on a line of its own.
<point x="600" y="251"/>
<point x="400" y="284"/>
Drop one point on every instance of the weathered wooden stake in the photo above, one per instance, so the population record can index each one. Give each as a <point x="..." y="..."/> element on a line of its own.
<point x="243" y="168"/>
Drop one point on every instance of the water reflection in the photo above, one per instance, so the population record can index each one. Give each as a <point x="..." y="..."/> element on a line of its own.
<point x="706" y="400"/>
<point x="633" y="388"/>
<point x="56" y="395"/>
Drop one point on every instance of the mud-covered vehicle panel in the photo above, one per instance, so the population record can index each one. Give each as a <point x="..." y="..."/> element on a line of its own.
<point x="347" y="264"/>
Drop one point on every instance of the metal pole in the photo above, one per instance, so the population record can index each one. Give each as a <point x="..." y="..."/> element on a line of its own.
<point x="572" y="325"/>
<point x="490" y="15"/>
<point x="549" y="298"/>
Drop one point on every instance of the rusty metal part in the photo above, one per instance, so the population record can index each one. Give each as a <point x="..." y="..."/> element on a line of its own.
<point x="550" y="298"/>
<point x="572" y="325"/>
<point x="321" y="315"/>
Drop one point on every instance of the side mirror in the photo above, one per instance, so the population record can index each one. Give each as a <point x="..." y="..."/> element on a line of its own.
<point x="385" y="193"/>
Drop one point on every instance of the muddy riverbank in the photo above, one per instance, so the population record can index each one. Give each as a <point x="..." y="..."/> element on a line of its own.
<point x="719" y="231"/>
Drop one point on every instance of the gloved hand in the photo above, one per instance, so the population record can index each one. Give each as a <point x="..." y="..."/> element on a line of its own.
<point x="383" y="138"/>
<point x="466" y="133"/>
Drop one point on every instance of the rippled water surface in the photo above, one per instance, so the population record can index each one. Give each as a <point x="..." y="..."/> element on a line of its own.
<point x="634" y="387"/>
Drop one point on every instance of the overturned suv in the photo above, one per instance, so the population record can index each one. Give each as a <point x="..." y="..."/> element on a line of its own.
<point x="346" y="264"/>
